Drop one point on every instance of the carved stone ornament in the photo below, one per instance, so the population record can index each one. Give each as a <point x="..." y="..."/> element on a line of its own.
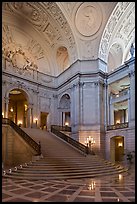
<point x="18" y="58"/>
<point x="88" y="19"/>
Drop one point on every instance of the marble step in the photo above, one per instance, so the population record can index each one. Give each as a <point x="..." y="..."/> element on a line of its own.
<point x="62" y="176"/>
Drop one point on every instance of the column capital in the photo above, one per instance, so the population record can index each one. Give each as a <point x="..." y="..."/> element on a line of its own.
<point x="6" y="99"/>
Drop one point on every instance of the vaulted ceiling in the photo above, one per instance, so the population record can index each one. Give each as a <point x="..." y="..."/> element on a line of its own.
<point x="50" y="36"/>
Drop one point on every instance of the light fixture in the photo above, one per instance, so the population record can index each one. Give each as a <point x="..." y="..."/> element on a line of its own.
<point x="89" y="141"/>
<point x="10" y="170"/>
<point x="120" y="177"/>
<point x="117" y="95"/>
<point x="117" y="121"/>
<point x="11" y="109"/>
<point x="92" y="185"/>
<point x="19" y="122"/>
<point x="66" y="124"/>
<point x="120" y="144"/>
<point x="2" y="114"/>
<point x="25" y="107"/>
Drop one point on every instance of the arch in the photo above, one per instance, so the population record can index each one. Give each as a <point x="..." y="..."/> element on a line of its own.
<point x="64" y="102"/>
<point x="28" y="96"/>
<point x="18" y="108"/>
<point x="115" y="56"/>
<point x="120" y="27"/>
<point x="62" y="58"/>
<point x="64" y="106"/>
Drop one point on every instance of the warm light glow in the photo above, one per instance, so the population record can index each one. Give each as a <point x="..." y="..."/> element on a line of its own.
<point x="35" y="119"/>
<point x="92" y="185"/>
<point x="3" y="114"/>
<point x="120" y="144"/>
<point x="66" y="124"/>
<point x="19" y="122"/>
<point x="90" y="140"/>
<point x="117" y="95"/>
<point x="25" y="107"/>
<point x="120" y="176"/>
<point x="11" y="109"/>
<point x="117" y="121"/>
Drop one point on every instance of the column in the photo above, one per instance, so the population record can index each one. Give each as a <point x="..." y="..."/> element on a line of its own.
<point x="63" y="113"/>
<point x="3" y="108"/>
<point x="6" y="107"/>
<point x="30" y="115"/>
<point x="111" y="114"/>
<point x="131" y="94"/>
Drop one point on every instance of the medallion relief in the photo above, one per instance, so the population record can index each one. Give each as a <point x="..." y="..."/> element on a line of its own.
<point x="85" y="19"/>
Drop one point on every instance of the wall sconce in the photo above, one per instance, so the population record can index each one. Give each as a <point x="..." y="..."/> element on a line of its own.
<point x="25" y="107"/>
<point x="2" y="114"/>
<point x="117" y="121"/>
<point x="19" y="122"/>
<point x="66" y="124"/>
<point x="36" y="121"/>
<point x="120" y="144"/>
<point x="11" y="109"/>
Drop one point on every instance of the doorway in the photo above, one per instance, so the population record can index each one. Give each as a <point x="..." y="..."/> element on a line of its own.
<point x="43" y="120"/>
<point x="117" y="148"/>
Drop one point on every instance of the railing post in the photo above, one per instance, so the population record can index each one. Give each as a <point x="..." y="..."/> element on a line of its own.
<point x="87" y="151"/>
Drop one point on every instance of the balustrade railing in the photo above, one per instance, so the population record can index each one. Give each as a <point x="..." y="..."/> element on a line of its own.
<point x="56" y="130"/>
<point x="117" y="126"/>
<point x="122" y="93"/>
<point x="24" y="135"/>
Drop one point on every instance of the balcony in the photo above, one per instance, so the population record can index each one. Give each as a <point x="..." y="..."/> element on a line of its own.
<point x="121" y="93"/>
<point x="117" y="126"/>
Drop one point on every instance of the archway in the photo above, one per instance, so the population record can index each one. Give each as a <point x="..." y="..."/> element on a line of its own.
<point x="18" y="107"/>
<point x="64" y="106"/>
<point x="116" y="148"/>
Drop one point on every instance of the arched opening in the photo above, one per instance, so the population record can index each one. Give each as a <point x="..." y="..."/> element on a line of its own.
<point x="117" y="148"/>
<point x="64" y="106"/>
<point x="62" y="58"/>
<point x="18" y="107"/>
<point x="115" y="57"/>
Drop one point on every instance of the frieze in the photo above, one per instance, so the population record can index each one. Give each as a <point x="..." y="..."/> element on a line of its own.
<point x="123" y="32"/>
<point x="50" y="13"/>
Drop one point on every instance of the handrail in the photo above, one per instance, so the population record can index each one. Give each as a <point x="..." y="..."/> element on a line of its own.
<point x="56" y="130"/>
<point x="24" y="135"/>
<point x="62" y="128"/>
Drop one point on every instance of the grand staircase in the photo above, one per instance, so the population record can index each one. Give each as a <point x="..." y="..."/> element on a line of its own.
<point x="61" y="161"/>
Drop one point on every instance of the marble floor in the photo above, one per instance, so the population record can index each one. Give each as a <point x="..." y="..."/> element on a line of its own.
<point x="118" y="188"/>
